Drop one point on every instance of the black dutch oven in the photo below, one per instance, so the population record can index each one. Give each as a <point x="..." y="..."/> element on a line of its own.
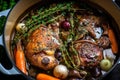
<point x="24" y="6"/>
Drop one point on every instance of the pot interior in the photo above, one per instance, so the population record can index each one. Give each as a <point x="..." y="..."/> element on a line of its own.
<point x="18" y="14"/>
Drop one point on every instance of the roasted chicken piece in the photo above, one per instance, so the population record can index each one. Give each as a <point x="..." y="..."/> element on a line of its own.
<point x="41" y="46"/>
<point x="90" y="54"/>
<point x="104" y="42"/>
<point x="92" y="25"/>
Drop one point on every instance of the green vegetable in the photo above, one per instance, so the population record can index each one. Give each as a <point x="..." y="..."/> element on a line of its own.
<point x="4" y="4"/>
<point x="12" y="3"/>
<point x="2" y="23"/>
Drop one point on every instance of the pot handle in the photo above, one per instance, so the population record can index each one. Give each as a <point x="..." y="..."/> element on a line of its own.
<point x="1" y="40"/>
<point x="5" y="61"/>
<point x="11" y="71"/>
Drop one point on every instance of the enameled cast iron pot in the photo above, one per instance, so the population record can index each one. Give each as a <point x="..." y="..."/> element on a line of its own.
<point x="24" y="6"/>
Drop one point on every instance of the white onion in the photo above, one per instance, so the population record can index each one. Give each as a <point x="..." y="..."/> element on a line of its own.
<point x="60" y="71"/>
<point x="21" y="27"/>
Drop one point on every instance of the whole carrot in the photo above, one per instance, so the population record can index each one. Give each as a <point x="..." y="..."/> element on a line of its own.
<point x="42" y="76"/>
<point x="113" y="41"/>
<point x="20" y="58"/>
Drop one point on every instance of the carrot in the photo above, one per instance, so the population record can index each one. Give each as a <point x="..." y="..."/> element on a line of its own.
<point x="42" y="76"/>
<point x="20" y="58"/>
<point x="113" y="41"/>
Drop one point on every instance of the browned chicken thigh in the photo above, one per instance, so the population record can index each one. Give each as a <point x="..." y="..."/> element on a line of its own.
<point x="90" y="53"/>
<point x="41" y="46"/>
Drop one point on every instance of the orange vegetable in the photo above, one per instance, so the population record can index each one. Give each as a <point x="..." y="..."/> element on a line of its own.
<point x="113" y="41"/>
<point x="42" y="76"/>
<point x="20" y="58"/>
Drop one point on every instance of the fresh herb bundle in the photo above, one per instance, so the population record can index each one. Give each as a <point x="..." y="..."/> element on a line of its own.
<point x="6" y="4"/>
<point x="2" y="22"/>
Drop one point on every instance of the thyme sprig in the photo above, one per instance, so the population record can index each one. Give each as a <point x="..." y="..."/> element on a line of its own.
<point x="70" y="62"/>
<point x="39" y="18"/>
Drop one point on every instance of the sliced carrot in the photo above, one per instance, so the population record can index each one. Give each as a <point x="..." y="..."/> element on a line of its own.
<point x="113" y="41"/>
<point x="20" y="58"/>
<point x="42" y="76"/>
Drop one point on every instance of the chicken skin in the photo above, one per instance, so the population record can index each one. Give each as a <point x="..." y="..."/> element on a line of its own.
<point x="89" y="53"/>
<point x="41" y="46"/>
